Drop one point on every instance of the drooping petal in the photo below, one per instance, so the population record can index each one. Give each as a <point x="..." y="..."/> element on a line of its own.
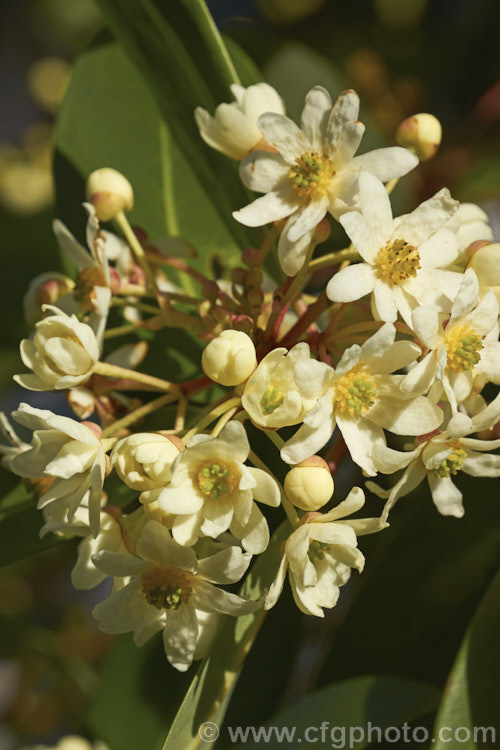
<point x="180" y="635"/>
<point x="266" y="490"/>
<point x="447" y="498"/>
<point x="386" y="163"/>
<point x="227" y="566"/>
<point x="307" y="218"/>
<point x="270" y="207"/>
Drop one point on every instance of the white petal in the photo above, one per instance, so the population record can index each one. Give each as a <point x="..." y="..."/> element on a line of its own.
<point x="186" y="529"/>
<point x="427" y="218"/>
<point x="440" y="250"/>
<point x="386" y="163"/>
<point x="353" y="502"/>
<point x="180" y="635"/>
<point x="485" y="465"/>
<point x="307" y="218"/>
<point x="426" y="326"/>
<point x="315" y="116"/>
<point x="351" y="283"/>
<point x="276" y="587"/>
<point x="254" y="534"/>
<point x="284" y="135"/>
<point x="375" y="206"/>
<point x="367" y="239"/>
<point x="266" y="490"/>
<point x="385" y="301"/>
<point x="447" y="498"/>
<point x="115" y="564"/>
<point x="212" y="599"/>
<point x="183" y="500"/>
<point x="361" y="436"/>
<point x="157" y="546"/>
<point x="264" y="172"/>
<point x="270" y="207"/>
<point x="227" y="566"/>
<point x="410" y="417"/>
<point x="292" y="255"/>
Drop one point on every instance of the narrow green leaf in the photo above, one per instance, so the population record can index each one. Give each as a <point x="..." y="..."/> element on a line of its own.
<point x="210" y="691"/>
<point x="470" y="704"/>
<point x="19" y="536"/>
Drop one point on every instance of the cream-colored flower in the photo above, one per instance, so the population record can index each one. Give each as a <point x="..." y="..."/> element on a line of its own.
<point x="62" y="353"/>
<point x="440" y="456"/>
<point x="229" y="359"/>
<point x="211" y="490"/>
<point x="320" y="554"/>
<point x="144" y="460"/>
<point x="486" y="263"/>
<point x="314" y="172"/>
<point x="421" y="134"/>
<point x="285" y="387"/>
<point x="170" y="590"/>
<point x="71" y="453"/>
<point x="363" y="399"/>
<point x="460" y="348"/>
<point x="403" y="258"/>
<point x="233" y="130"/>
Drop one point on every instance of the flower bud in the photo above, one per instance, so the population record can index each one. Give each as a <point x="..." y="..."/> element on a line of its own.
<point x="62" y="353"/>
<point x="230" y="358"/>
<point x="252" y="257"/>
<point x="143" y="460"/>
<point x="309" y="485"/>
<point x="421" y="134"/>
<point x="44" y="289"/>
<point x="322" y="230"/>
<point x="486" y="263"/>
<point x="109" y="192"/>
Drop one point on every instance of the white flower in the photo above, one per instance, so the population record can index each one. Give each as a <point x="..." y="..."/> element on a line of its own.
<point x="363" y="399"/>
<point x="234" y="130"/>
<point x="229" y="359"/>
<point x="460" y="348"/>
<point x="314" y="171"/>
<point x="486" y="263"/>
<point x="319" y="556"/>
<point x="62" y="353"/>
<point x="169" y="588"/>
<point x="211" y="490"/>
<point x="92" y="290"/>
<point x="403" y="257"/>
<point x="439" y="457"/>
<point x="285" y="387"/>
<point x="469" y="223"/>
<point x="71" y="453"/>
<point x="143" y="461"/>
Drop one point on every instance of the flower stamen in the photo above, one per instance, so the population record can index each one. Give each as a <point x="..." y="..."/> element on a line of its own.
<point x="166" y="588"/>
<point x="463" y="348"/>
<point x="452" y="464"/>
<point x="355" y="393"/>
<point x="397" y="261"/>
<point x="311" y="174"/>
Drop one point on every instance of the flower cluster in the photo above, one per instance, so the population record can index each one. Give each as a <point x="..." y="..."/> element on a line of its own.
<point x="174" y="516"/>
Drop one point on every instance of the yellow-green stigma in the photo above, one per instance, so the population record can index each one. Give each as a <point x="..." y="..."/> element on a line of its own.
<point x="271" y="400"/>
<point x="452" y="464"/>
<point x="216" y="480"/>
<point x="166" y="588"/>
<point x="355" y="393"/>
<point x="397" y="261"/>
<point x="311" y="174"/>
<point x="463" y="348"/>
<point x="317" y="550"/>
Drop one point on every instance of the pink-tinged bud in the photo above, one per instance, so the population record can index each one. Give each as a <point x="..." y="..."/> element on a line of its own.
<point x="421" y="134"/>
<point x="45" y="289"/>
<point x="238" y="276"/>
<point x="252" y="257"/>
<point x="475" y="246"/>
<point x="109" y="192"/>
<point x="309" y="485"/>
<point x="137" y="275"/>
<point x="94" y="427"/>
<point x="322" y="231"/>
<point x="255" y="297"/>
<point x="310" y="517"/>
<point x="424" y="438"/>
<point x="115" y="281"/>
<point x="254" y="277"/>
<point x="176" y="441"/>
<point x="210" y="290"/>
<point x="242" y="323"/>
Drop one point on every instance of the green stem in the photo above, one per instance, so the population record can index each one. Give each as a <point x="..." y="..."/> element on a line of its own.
<point x="136" y="247"/>
<point x="333" y="259"/>
<point x="139" y="413"/>
<point x="289" y="509"/>
<point x="114" y="371"/>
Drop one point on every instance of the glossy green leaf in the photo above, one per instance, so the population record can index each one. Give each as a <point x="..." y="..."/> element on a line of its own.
<point x="19" y="535"/>
<point x="341" y="715"/>
<point x="470" y="703"/>
<point x="182" y="56"/>
<point x="210" y="691"/>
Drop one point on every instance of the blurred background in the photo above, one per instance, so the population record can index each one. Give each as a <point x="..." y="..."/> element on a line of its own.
<point x="438" y="56"/>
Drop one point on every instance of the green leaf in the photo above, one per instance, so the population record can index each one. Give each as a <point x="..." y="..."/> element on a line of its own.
<point x="470" y="703"/>
<point x="183" y="58"/>
<point x="19" y="536"/>
<point x="130" y="135"/>
<point x="210" y="691"/>
<point x="131" y="708"/>
<point x="340" y="714"/>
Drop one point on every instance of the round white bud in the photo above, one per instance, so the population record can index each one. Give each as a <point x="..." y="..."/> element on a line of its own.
<point x="421" y="134"/>
<point x="230" y="358"/>
<point x="309" y="485"/>
<point x="109" y="192"/>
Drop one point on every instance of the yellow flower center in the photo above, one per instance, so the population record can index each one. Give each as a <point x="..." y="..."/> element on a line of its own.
<point x="317" y="550"/>
<point x="271" y="400"/>
<point x="397" y="261"/>
<point x="167" y="588"/>
<point x="311" y="175"/>
<point x="452" y="464"/>
<point x="355" y="393"/>
<point x="217" y="478"/>
<point x="462" y="348"/>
